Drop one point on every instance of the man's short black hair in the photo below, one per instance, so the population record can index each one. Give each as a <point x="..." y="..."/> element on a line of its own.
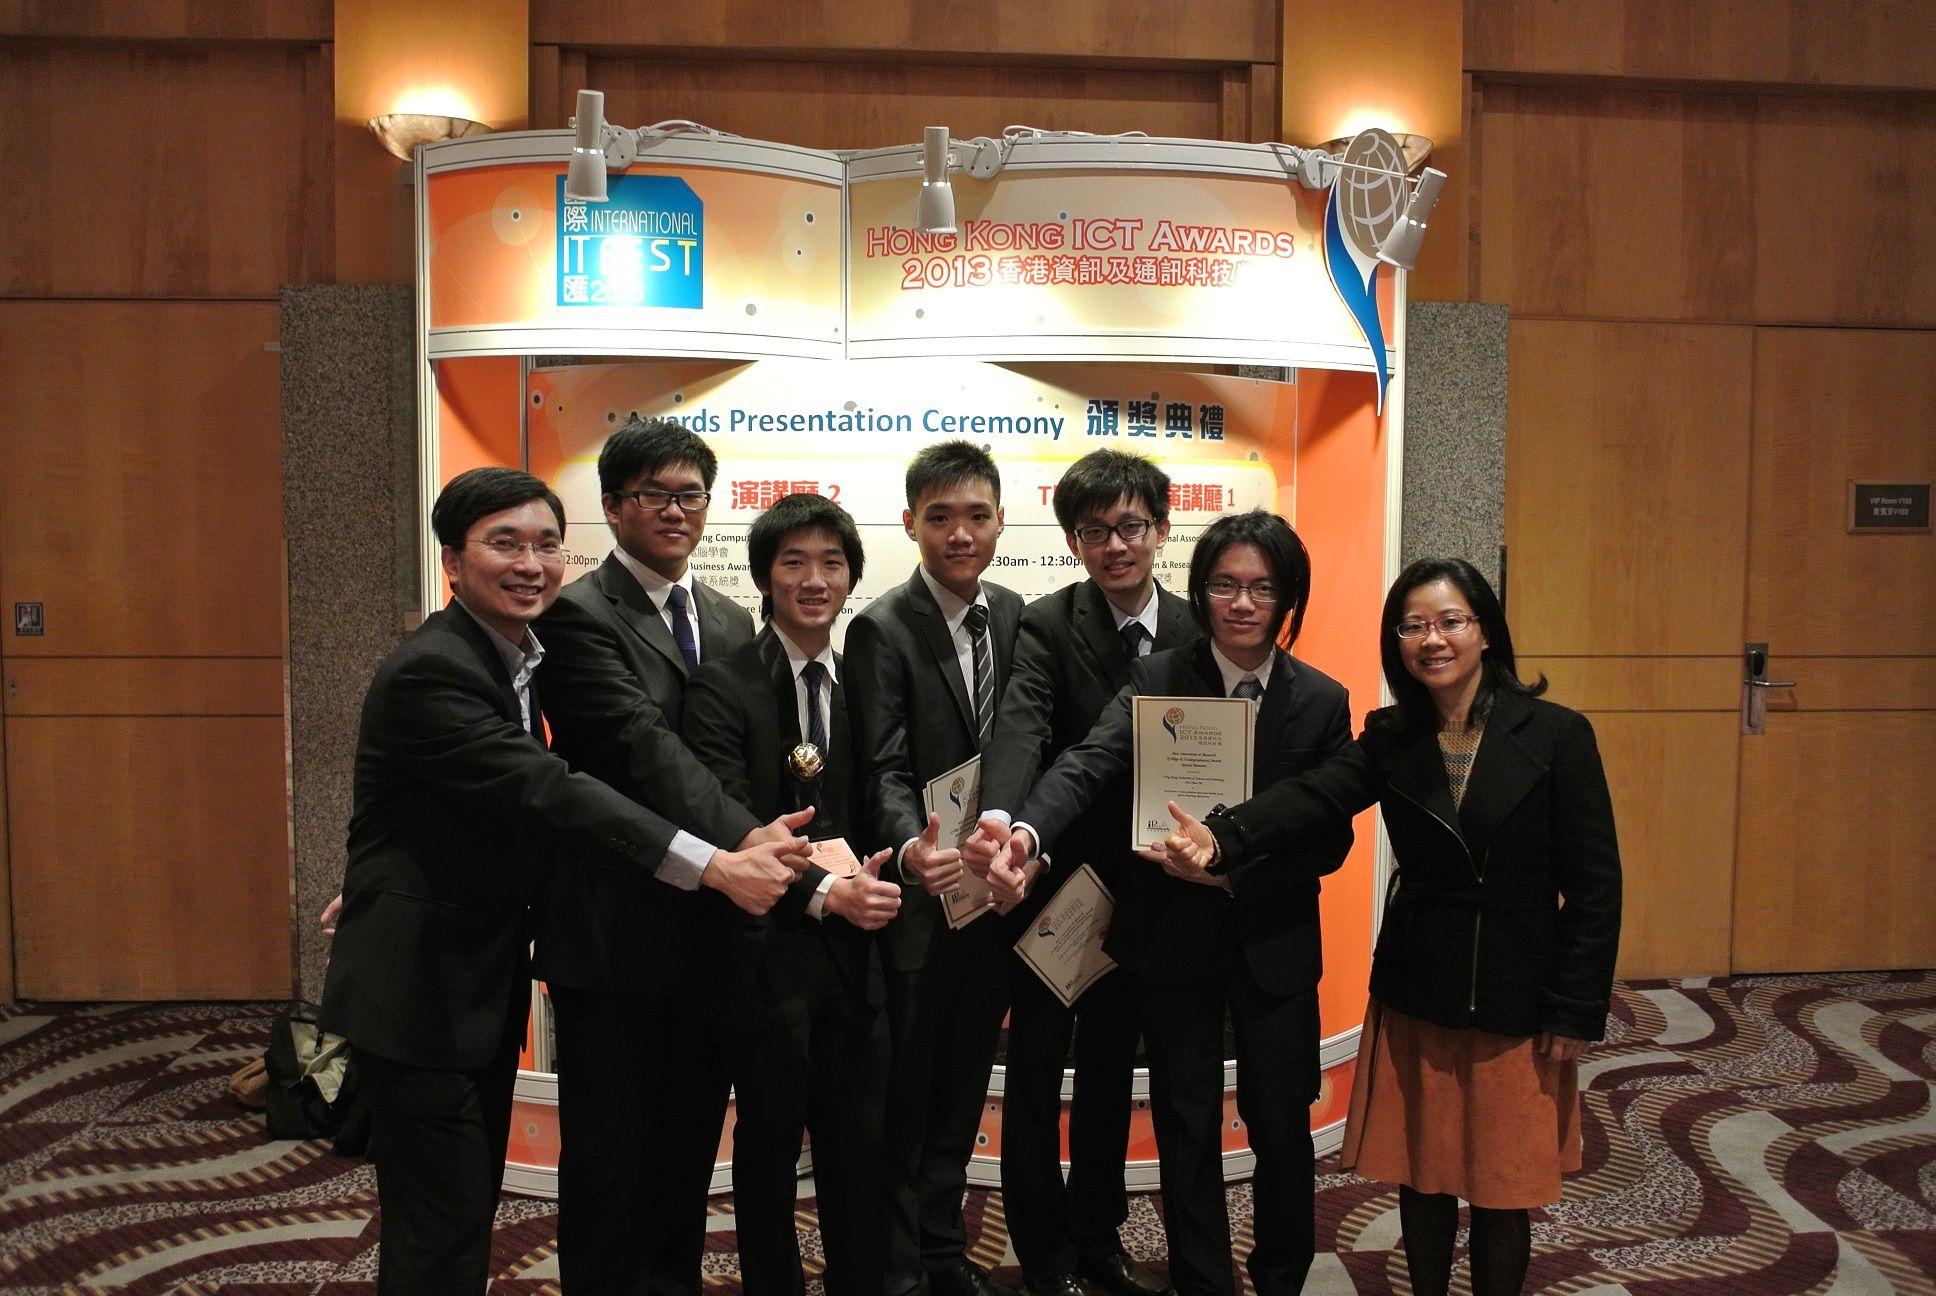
<point x="1284" y="554"/>
<point x="1093" y="484"/>
<point x="950" y="463"/>
<point x="474" y="495"/>
<point x="791" y="514"/>
<point x="645" y="445"/>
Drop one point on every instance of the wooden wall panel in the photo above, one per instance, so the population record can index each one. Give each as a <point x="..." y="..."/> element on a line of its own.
<point x="1623" y="203"/>
<point x="170" y="170"/>
<point x="1835" y="861"/>
<point x="1626" y="488"/>
<point x="142" y="498"/>
<point x="1209" y="31"/>
<point x="144" y="686"/>
<point x="1710" y="683"/>
<point x="150" y="857"/>
<point x="852" y="105"/>
<point x="1874" y="43"/>
<point x="1673" y="782"/>
<point x="300" y="21"/>
<point x="1831" y="405"/>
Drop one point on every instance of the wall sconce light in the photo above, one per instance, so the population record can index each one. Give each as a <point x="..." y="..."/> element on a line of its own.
<point x="402" y="132"/>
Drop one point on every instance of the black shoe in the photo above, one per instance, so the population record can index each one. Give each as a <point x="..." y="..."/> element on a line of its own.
<point x="1118" y="1274"/>
<point x="961" y="1278"/>
<point x="1056" y="1284"/>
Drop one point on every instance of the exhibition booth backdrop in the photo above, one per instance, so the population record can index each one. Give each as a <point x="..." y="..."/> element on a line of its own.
<point x="1097" y="291"/>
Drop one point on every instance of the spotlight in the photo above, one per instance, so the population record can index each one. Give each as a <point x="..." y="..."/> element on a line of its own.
<point x="937" y="194"/>
<point x="1400" y="247"/>
<point x="585" y="178"/>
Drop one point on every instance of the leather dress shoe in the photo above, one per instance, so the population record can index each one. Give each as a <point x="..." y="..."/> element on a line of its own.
<point x="961" y="1278"/>
<point x="1118" y="1274"/>
<point x="1056" y="1284"/>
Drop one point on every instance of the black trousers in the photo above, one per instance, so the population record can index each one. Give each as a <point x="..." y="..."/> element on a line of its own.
<point x="438" y="1140"/>
<point x="816" y="1062"/>
<point x="1055" y="1226"/>
<point x="944" y="1020"/>
<point x="641" y="1100"/>
<point x="1277" y="1081"/>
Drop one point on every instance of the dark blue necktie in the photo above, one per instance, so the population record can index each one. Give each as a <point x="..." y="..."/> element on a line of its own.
<point x="682" y="626"/>
<point x="814" y="673"/>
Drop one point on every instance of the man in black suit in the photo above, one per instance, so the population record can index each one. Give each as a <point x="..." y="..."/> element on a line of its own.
<point x="457" y="808"/>
<point x="1248" y="942"/>
<point x="798" y="991"/>
<point x="641" y="1081"/>
<point x="1072" y="657"/>
<point x="926" y="664"/>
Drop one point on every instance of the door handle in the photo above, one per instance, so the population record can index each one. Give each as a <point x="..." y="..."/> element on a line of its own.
<point x="1754" y="688"/>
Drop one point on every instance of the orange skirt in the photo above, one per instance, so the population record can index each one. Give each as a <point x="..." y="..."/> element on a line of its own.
<point x="1483" y="1117"/>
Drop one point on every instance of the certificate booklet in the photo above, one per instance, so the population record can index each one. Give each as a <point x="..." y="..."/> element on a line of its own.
<point x="1191" y="750"/>
<point x="836" y="856"/>
<point x="1064" y="943"/>
<point x="956" y="798"/>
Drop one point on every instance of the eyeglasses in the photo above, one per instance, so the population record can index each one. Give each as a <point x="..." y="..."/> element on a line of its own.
<point x="1262" y="593"/>
<point x="508" y="549"/>
<point x="1130" y="529"/>
<point x="654" y="501"/>
<point x="1452" y="623"/>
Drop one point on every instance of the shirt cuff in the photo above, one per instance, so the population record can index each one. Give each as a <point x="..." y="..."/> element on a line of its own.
<point x="685" y="862"/>
<point x="1035" y="838"/>
<point x="1002" y="817"/>
<point x="900" y="858"/>
<point x="817" y="903"/>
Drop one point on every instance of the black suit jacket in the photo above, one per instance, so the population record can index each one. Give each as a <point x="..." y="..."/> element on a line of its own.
<point x="1070" y="664"/>
<point x="742" y="718"/>
<point x="457" y="811"/>
<point x="914" y="719"/>
<point x="1475" y="933"/>
<point x="613" y="685"/>
<point x="1174" y="932"/>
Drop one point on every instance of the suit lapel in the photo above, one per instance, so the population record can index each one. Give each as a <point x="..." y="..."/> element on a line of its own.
<point x="1418" y="773"/>
<point x="636" y="609"/>
<point x="1176" y="624"/>
<point x="840" y="737"/>
<point x="786" y="696"/>
<point x="1503" y="770"/>
<point x="715" y="631"/>
<point x="1095" y="631"/>
<point x="478" y="640"/>
<point x="934" y="630"/>
<point x="1280" y="695"/>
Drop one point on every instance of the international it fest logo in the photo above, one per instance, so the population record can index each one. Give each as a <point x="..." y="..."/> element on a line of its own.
<point x="1171" y="719"/>
<point x="1360" y="213"/>
<point x="644" y="246"/>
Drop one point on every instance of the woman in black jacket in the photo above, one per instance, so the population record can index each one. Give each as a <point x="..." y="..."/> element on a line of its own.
<point x="1494" y="963"/>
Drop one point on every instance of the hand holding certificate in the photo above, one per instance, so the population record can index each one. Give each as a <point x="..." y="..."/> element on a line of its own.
<point x="1194" y="751"/>
<point x="954" y="799"/>
<point x="1063" y="945"/>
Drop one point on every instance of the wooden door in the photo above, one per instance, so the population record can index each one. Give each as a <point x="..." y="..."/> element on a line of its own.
<point x="146" y="775"/>
<point x="1835" y="861"/>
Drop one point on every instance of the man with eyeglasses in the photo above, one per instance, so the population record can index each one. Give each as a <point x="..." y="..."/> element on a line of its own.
<point x="642" y="1082"/>
<point x="1072" y="656"/>
<point x="1243" y="943"/>
<point x="457" y="808"/>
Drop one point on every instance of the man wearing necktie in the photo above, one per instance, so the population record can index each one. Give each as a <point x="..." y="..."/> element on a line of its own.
<point x="797" y="992"/>
<point x="1248" y="942"/>
<point x="458" y="807"/>
<point x="641" y="1079"/>
<point x="928" y="662"/>
<point x="1072" y="656"/>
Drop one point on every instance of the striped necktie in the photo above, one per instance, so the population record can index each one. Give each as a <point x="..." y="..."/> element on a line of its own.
<point x="984" y="672"/>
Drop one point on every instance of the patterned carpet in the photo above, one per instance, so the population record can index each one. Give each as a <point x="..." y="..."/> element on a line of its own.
<point x="1746" y="1135"/>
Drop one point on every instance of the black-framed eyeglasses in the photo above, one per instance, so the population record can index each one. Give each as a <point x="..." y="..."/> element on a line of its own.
<point x="654" y="501"/>
<point x="1262" y="593"/>
<point x="1452" y="623"/>
<point x="1131" y="529"/>
<point x="508" y="549"/>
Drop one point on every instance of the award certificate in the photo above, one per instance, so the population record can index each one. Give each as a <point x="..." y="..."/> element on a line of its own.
<point x="1064" y="944"/>
<point x="956" y="797"/>
<point x="836" y="856"/>
<point x="1194" y="751"/>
